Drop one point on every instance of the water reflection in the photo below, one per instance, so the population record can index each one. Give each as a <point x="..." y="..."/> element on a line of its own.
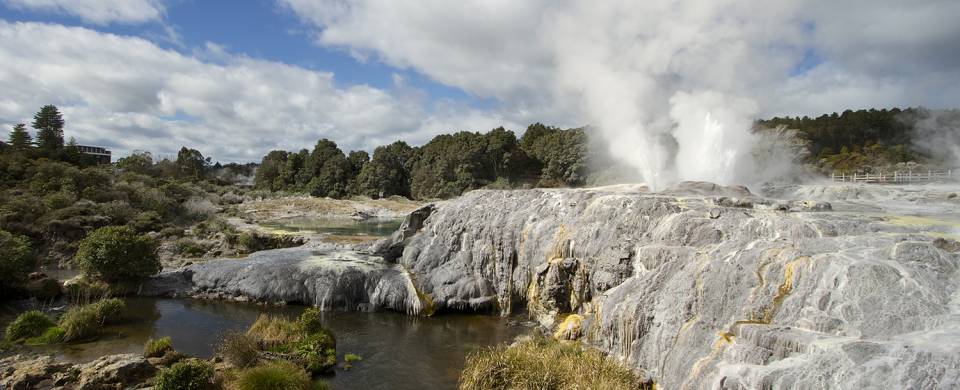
<point x="375" y="227"/>
<point x="398" y="351"/>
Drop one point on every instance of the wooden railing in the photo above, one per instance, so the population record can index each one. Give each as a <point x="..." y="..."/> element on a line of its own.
<point x="892" y="177"/>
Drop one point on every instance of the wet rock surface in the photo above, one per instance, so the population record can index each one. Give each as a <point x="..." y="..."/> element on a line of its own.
<point x="747" y="292"/>
<point x="317" y="275"/>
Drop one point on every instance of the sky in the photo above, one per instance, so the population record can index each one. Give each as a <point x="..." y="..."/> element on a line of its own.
<point x="235" y="79"/>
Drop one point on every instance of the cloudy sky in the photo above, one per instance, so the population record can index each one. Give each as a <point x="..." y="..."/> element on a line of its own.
<point x="235" y="79"/>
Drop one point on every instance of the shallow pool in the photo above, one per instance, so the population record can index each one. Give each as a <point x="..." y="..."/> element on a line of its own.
<point x="398" y="351"/>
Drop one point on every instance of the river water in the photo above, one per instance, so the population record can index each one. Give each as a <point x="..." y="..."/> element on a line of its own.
<point x="398" y="351"/>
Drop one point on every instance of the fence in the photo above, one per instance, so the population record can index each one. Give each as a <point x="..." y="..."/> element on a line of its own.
<point x="892" y="177"/>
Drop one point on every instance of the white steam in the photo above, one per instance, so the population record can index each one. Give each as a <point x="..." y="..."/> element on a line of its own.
<point x="665" y="83"/>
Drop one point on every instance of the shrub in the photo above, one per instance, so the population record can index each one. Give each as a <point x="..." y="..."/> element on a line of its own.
<point x="544" y="364"/>
<point x="28" y="324"/>
<point x="83" y="322"/>
<point x="311" y="320"/>
<point x="239" y="349"/>
<point x="59" y="200"/>
<point x="350" y="358"/>
<point x="277" y="375"/>
<point x="117" y="253"/>
<point x="146" y="221"/>
<point x="317" y="352"/>
<point x="189" y="247"/>
<point x="186" y="375"/>
<point x="158" y="347"/>
<point x="16" y="261"/>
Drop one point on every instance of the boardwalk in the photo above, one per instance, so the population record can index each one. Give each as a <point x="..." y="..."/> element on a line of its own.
<point x="893" y="177"/>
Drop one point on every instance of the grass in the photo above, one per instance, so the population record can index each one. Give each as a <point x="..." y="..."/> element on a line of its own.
<point x="158" y="347"/>
<point x="186" y="375"/>
<point x="84" y="321"/>
<point x="27" y="325"/>
<point x="239" y="349"/>
<point x="277" y="375"/>
<point x="274" y="331"/>
<point x="303" y="341"/>
<point x="542" y="363"/>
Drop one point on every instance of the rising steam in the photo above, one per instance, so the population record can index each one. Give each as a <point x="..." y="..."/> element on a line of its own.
<point x="667" y="93"/>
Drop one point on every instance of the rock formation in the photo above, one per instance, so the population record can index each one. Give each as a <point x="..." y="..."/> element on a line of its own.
<point x="700" y="286"/>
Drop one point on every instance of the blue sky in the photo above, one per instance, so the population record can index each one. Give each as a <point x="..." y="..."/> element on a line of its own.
<point x="236" y="79"/>
<point x="256" y="28"/>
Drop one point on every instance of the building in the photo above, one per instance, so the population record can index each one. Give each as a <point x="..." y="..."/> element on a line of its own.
<point x="102" y="155"/>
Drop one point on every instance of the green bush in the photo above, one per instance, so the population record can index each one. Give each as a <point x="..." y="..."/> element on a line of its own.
<point x="59" y="200"/>
<point x="239" y="349"/>
<point x="158" y="347"/>
<point x="16" y="261"/>
<point x="146" y="221"/>
<point x="311" y="320"/>
<point x="278" y="375"/>
<point x="186" y="375"/>
<point x="28" y="324"/>
<point x="84" y="321"/>
<point x="317" y="352"/>
<point x="543" y="363"/>
<point x="118" y="254"/>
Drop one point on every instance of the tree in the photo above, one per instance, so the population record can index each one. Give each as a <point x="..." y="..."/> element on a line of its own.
<point x="118" y="254"/>
<point x="71" y="154"/>
<point x="16" y="261"/>
<point x="49" y="124"/>
<point x="139" y="162"/>
<point x="271" y="167"/>
<point x="388" y="172"/>
<point x="19" y="138"/>
<point x="191" y="164"/>
<point x="327" y="169"/>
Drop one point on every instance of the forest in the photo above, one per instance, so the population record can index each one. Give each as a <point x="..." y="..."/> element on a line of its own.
<point x="544" y="156"/>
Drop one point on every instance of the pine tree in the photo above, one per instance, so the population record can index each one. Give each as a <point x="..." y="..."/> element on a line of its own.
<point x="49" y="125"/>
<point x="19" y="138"/>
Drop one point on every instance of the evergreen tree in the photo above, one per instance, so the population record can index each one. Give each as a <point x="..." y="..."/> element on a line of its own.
<point x="19" y="138"/>
<point x="49" y="125"/>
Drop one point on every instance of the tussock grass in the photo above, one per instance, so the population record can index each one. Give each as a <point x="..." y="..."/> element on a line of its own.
<point x="239" y="349"/>
<point x="274" y="331"/>
<point x="277" y="375"/>
<point x="187" y="375"/>
<point x="28" y="324"/>
<point x="158" y="347"/>
<point x="541" y="363"/>
<point x="83" y="321"/>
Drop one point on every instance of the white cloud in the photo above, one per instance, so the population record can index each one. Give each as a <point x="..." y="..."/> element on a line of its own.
<point x="127" y="93"/>
<point x="625" y="66"/>
<point x="98" y="11"/>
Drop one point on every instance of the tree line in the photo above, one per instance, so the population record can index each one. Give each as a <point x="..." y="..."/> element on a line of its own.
<point x="866" y="140"/>
<point x="444" y="167"/>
